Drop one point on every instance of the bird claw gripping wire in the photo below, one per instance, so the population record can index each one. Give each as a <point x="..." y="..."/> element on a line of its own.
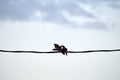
<point x="61" y="49"/>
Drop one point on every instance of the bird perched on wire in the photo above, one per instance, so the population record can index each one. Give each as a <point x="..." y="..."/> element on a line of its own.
<point x="61" y="49"/>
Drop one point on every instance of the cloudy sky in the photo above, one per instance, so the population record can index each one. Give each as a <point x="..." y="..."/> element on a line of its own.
<point x="77" y="24"/>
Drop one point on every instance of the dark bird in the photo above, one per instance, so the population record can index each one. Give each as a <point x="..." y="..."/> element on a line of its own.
<point x="64" y="50"/>
<point x="57" y="47"/>
<point x="61" y="49"/>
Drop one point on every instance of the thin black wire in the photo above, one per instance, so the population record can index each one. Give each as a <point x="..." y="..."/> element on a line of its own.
<point x="87" y="51"/>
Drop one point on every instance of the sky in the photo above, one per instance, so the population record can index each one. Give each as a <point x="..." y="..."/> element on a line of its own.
<point x="77" y="24"/>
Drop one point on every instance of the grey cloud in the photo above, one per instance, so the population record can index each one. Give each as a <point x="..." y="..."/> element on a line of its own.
<point x="16" y="9"/>
<point x="24" y="9"/>
<point x="96" y="25"/>
<point x="115" y="4"/>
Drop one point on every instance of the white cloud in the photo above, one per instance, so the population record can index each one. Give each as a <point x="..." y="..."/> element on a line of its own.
<point x="38" y="15"/>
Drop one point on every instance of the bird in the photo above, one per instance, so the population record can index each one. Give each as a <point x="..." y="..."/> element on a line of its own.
<point x="61" y="49"/>
<point x="64" y="50"/>
<point x="57" y="47"/>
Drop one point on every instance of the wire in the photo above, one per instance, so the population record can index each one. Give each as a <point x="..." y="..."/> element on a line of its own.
<point x="87" y="51"/>
<point x="27" y="51"/>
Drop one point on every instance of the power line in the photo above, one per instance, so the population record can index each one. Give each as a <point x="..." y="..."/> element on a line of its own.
<point x="86" y="51"/>
<point x="89" y="51"/>
<point x="28" y="51"/>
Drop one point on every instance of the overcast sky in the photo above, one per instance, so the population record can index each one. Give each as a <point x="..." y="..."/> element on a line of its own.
<point x="77" y="24"/>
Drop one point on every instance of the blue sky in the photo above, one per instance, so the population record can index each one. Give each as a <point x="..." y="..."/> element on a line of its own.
<point x="77" y="24"/>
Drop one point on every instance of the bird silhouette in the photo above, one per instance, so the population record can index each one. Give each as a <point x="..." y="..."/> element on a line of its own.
<point x="57" y="47"/>
<point x="61" y="49"/>
<point x="64" y="50"/>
